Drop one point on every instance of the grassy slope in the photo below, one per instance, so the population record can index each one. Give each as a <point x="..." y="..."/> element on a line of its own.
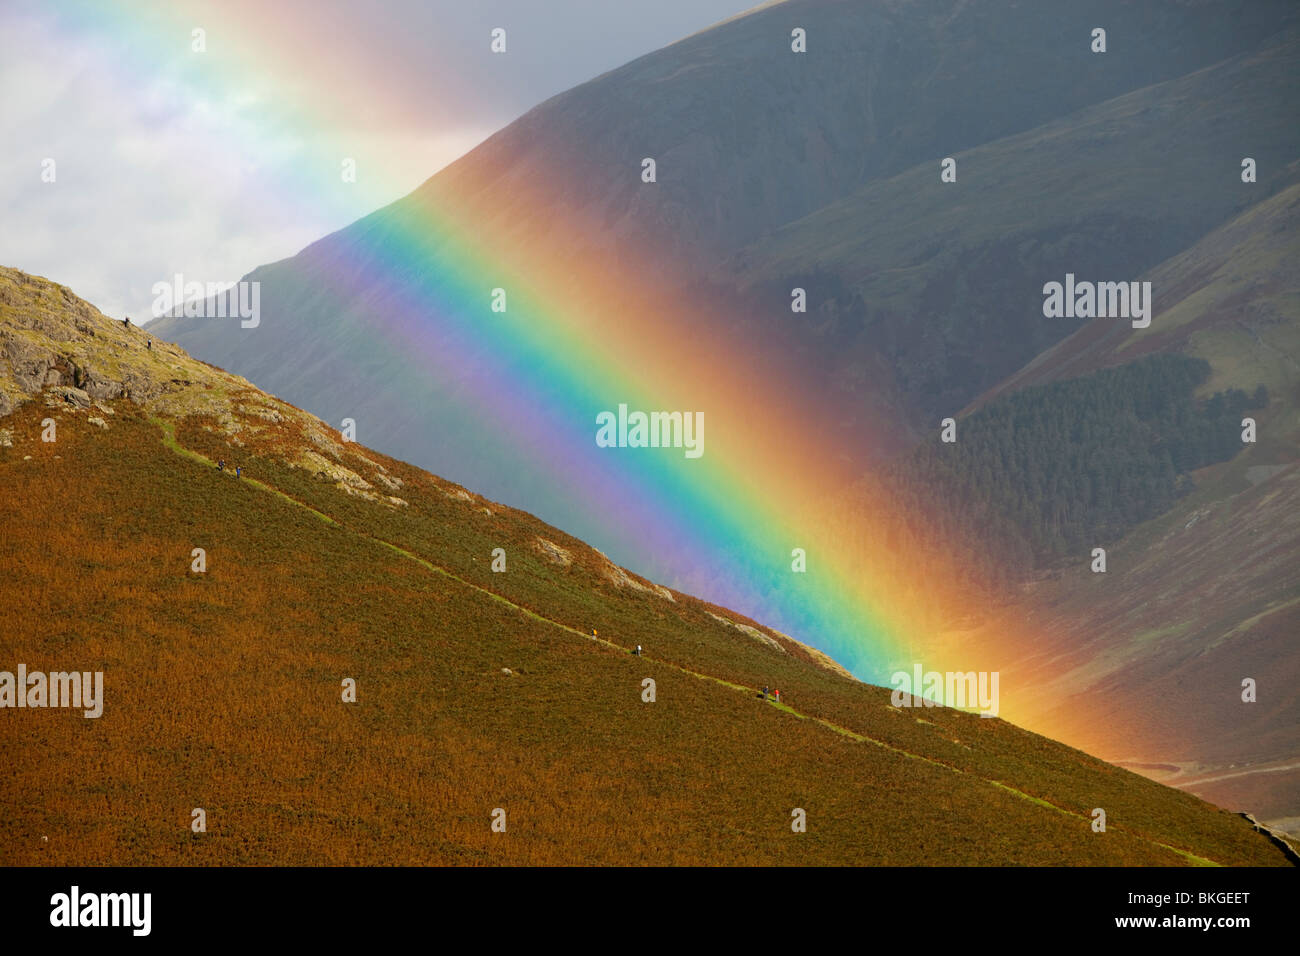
<point x="223" y="689"/>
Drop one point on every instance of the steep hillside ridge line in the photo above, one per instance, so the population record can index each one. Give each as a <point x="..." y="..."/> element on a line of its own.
<point x="169" y="440"/>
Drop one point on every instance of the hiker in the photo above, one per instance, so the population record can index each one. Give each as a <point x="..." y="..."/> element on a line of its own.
<point x="221" y="464"/>
<point x="764" y="692"/>
<point x="239" y="471"/>
<point x="777" y="693"/>
<point x="149" y="344"/>
<point x="637" y="652"/>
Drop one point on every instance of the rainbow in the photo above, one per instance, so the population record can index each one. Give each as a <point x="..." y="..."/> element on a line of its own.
<point x="577" y="339"/>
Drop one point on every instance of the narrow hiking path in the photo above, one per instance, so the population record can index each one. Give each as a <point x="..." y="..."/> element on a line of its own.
<point x="170" y="441"/>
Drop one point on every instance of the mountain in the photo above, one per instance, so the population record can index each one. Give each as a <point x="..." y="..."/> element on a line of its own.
<point x="477" y="690"/>
<point x="942" y="285"/>
<point x="821" y="170"/>
<point x="775" y="169"/>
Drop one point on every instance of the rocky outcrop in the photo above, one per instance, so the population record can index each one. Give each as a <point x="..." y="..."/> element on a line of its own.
<point x="51" y="339"/>
<point x="60" y="350"/>
<point x="67" y="395"/>
<point x="553" y="552"/>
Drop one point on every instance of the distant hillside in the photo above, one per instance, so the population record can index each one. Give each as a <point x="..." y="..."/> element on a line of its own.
<point x="749" y="136"/>
<point x="749" y="139"/>
<point x="1044" y="474"/>
<point x="941" y="284"/>
<point x="1200" y="592"/>
<point x="476" y="689"/>
<point x="1206" y="594"/>
<point x="1232" y="299"/>
<point x="1192" y="603"/>
<point x="1109" y="428"/>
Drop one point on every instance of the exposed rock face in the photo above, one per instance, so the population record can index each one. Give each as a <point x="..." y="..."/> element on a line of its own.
<point x="51" y="338"/>
<point x="334" y="472"/>
<point x="554" y="553"/>
<point x="392" y="483"/>
<point x="66" y="394"/>
<point x="58" y="349"/>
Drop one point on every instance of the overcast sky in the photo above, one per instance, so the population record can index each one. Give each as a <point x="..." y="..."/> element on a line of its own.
<point x="208" y="162"/>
